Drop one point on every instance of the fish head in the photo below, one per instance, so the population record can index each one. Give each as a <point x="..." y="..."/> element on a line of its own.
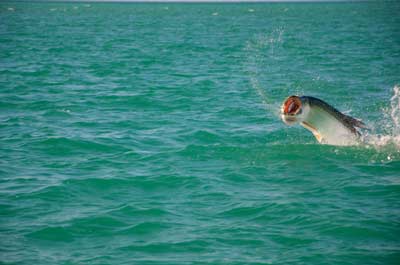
<point x="293" y="110"/>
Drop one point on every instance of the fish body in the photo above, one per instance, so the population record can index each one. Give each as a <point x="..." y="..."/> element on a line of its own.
<point x="328" y="125"/>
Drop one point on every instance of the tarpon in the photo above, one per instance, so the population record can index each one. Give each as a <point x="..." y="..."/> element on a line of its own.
<point x="328" y="125"/>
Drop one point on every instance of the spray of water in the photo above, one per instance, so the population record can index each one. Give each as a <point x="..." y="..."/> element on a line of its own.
<point x="261" y="51"/>
<point x="395" y="110"/>
<point x="390" y="137"/>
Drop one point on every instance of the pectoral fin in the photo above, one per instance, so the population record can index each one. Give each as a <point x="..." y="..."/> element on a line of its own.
<point x="313" y="130"/>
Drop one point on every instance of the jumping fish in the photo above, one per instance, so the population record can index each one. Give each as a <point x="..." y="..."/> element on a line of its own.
<point x="328" y="125"/>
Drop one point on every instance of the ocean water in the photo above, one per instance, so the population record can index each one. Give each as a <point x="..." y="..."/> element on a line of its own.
<point x="150" y="133"/>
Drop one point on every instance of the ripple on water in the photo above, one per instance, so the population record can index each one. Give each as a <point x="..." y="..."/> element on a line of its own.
<point x="134" y="135"/>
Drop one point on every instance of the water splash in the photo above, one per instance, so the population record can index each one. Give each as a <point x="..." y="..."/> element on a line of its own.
<point x="261" y="51"/>
<point x="395" y="110"/>
<point x="387" y="141"/>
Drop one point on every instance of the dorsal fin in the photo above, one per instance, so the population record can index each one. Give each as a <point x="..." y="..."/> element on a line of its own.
<point x="355" y="122"/>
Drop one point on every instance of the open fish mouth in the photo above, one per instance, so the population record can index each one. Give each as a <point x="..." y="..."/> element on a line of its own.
<point x="292" y="106"/>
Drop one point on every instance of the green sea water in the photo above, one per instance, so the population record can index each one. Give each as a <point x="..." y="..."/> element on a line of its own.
<point x="150" y="133"/>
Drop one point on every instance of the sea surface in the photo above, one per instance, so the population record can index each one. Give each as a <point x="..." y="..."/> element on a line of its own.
<point x="135" y="133"/>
